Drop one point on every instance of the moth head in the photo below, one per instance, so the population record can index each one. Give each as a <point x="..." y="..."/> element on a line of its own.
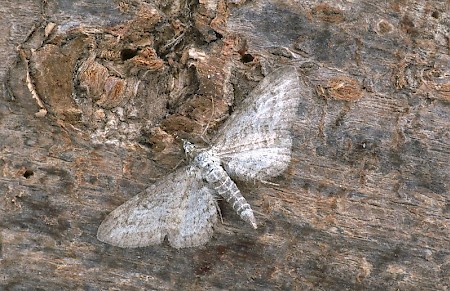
<point x="188" y="147"/>
<point x="190" y="150"/>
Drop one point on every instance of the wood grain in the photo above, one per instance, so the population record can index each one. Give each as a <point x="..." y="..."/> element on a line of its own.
<point x="364" y="204"/>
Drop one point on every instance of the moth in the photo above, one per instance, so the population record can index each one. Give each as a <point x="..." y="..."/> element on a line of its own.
<point x="254" y="144"/>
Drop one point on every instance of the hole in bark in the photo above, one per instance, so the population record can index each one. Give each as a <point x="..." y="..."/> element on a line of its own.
<point x="28" y="174"/>
<point x="127" y="54"/>
<point x="435" y="14"/>
<point x="246" y="58"/>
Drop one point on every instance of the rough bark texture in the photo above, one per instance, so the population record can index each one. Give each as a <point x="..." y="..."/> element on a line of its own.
<point x="97" y="96"/>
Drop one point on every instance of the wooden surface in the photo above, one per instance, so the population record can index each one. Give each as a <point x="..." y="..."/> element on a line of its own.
<point x="364" y="204"/>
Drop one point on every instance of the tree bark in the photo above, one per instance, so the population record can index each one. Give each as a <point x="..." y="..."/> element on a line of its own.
<point x="97" y="97"/>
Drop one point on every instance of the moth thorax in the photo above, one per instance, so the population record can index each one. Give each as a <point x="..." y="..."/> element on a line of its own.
<point x="206" y="160"/>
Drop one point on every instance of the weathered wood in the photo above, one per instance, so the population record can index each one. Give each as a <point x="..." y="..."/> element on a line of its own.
<point x="364" y="205"/>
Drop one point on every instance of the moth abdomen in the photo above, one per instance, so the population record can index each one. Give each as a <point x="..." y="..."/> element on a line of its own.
<point x="225" y="187"/>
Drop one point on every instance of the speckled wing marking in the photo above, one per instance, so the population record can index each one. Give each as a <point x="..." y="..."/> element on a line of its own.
<point x="180" y="207"/>
<point x="255" y="142"/>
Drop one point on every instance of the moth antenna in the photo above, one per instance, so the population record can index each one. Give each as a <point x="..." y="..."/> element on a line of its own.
<point x="209" y="120"/>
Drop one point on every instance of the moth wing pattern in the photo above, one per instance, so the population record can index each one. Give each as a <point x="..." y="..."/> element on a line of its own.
<point x="197" y="215"/>
<point x="255" y="142"/>
<point x="180" y="207"/>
